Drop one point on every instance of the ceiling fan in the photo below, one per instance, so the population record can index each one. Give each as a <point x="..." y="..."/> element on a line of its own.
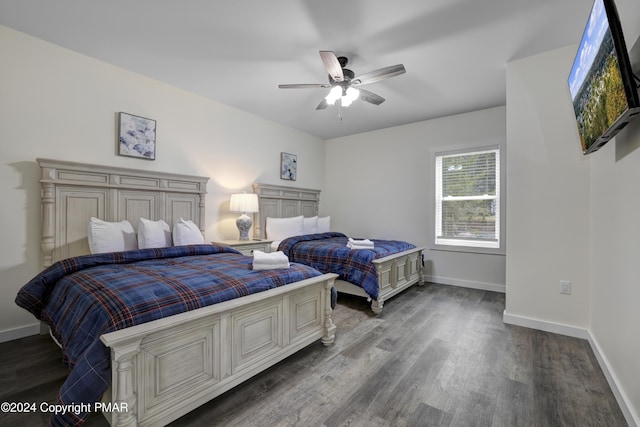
<point x="345" y="86"/>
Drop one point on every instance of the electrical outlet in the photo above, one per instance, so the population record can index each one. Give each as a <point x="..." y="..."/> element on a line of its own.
<point x="565" y="287"/>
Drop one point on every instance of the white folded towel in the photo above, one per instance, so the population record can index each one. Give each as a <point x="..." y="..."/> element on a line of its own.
<point x="270" y="261"/>
<point x="354" y="247"/>
<point x="360" y="244"/>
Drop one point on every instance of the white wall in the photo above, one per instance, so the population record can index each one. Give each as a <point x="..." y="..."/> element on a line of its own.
<point x="572" y="217"/>
<point x="548" y="236"/>
<point x="55" y="103"/>
<point x="615" y="248"/>
<point x="615" y="244"/>
<point x="377" y="186"/>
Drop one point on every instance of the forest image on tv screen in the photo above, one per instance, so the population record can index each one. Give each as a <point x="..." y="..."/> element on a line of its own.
<point x="595" y="82"/>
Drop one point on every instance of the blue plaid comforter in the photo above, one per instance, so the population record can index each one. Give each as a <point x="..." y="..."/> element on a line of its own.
<point x="328" y="252"/>
<point x="84" y="297"/>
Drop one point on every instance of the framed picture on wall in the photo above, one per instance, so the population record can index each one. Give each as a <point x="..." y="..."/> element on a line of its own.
<point x="288" y="166"/>
<point x="137" y="136"/>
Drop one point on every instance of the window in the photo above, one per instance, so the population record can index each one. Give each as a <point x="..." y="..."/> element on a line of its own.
<point x="467" y="196"/>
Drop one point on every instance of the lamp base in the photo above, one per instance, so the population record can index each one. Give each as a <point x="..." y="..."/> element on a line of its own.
<point x="244" y="223"/>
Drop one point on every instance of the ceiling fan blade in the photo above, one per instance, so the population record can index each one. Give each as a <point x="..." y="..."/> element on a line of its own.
<point x="323" y="104"/>
<point x="380" y="74"/>
<point x="304" y="86"/>
<point x="371" y="97"/>
<point x="332" y="65"/>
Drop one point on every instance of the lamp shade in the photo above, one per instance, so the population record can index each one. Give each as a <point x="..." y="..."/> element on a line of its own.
<point x="244" y="202"/>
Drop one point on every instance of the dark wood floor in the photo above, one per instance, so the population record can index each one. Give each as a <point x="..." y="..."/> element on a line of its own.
<point x="436" y="356"/>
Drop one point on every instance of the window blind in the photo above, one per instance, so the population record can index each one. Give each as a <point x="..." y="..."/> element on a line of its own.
<point x="468" y="198"/>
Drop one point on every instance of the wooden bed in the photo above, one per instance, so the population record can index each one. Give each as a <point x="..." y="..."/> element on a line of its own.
<point x="165" y="368"/>
<point x="395" y="272"/>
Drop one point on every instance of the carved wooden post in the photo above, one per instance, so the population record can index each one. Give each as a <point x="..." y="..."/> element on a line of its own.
<point x="329" y="327"/>
<point x="420" y="268"/>
<point x="201" y="206"/>
<point x="376" y="305"/>
<point x="48" y="223"/>
<point x="122" y="359"/>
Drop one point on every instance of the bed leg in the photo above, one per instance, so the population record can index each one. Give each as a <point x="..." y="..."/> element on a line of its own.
<point x="376" y="306"/>
<point x="329" y="327"/>
<point x="124" y="405"/>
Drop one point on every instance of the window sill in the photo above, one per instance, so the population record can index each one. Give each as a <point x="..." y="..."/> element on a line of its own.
<point x="468" y="249"/>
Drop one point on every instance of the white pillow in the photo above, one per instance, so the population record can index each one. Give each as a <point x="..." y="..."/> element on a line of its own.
<point x="281" y="228"/>
<point x="111" y="236"/>
<point x="186" y="233"/>
<point x="153" y="234"/>
<point x="324" y="224"/>
<point x="310" y="225"/>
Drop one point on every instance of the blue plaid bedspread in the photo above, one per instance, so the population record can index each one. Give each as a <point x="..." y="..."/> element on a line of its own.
<point x="84" y="297"/>
<point x="328" y="252"/>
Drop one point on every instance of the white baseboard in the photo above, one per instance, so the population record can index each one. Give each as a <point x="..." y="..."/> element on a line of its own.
<point x="557" y="328"/>
<point x="632" y="417"/>
<point x="465" y="283"/>
<point x="20" y="332"/>
<point x="544" y="325"/>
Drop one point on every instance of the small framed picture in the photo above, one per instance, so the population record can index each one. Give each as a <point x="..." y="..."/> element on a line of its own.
<point x="288" y="166"/>
<point x="137" y="137"/>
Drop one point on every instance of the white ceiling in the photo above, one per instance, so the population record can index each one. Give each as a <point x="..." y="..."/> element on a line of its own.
<point x="237" y="52"/>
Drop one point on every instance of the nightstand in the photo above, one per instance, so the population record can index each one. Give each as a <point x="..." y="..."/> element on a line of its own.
<point x="246" y="247"/>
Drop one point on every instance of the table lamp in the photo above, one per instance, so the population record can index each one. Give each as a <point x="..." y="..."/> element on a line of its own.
<point x="245" y="203"/>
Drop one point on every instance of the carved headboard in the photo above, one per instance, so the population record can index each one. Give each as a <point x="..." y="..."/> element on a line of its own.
<point x="277" y="201"/>
<point x="74" y="192"/>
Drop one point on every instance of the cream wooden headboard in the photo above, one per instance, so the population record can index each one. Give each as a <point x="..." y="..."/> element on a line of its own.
<point x="277" y="201"/>
<point x="73" y="192"/>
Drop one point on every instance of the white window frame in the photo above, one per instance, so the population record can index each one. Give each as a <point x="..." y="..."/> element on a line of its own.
<point x="471" y="245"/>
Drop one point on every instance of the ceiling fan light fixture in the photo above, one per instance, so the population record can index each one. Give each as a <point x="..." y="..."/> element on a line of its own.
<point x="334" y="94"/>
<point x="351" y="95"/>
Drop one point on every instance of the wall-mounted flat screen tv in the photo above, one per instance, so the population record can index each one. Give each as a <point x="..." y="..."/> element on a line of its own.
<point x="601" y="82"/>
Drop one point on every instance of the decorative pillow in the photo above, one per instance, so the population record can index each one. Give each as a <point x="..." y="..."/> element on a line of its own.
<point x="153" y="234"/>
<point x="111" y="236"/>
<point x="186" y="232"/>
<point x="324" y="224"/>
<point x="310" y="225"/>
<point x="281" y="228"/>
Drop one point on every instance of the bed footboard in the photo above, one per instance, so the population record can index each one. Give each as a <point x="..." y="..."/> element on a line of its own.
<point x="163" y="369"/>
<point x="395" y="273"/>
